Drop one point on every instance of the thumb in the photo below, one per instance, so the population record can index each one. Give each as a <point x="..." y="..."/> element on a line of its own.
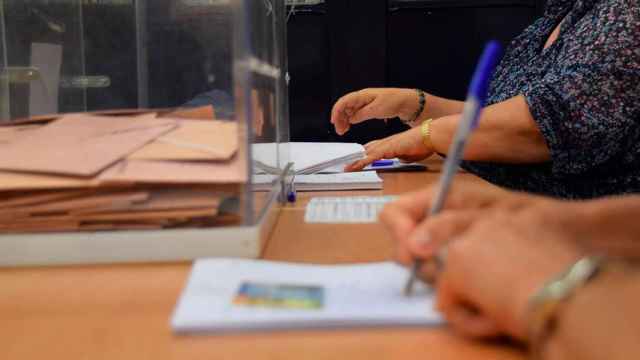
<point x="434" y="232"/>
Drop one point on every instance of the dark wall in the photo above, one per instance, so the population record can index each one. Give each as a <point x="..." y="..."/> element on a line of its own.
<point x="346" y="45"/>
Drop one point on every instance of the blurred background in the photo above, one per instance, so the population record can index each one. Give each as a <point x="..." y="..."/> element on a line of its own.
<point x="179" y="48"/>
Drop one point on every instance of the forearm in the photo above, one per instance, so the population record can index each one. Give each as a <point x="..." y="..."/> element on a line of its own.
<point x="434" y="107"/>
<point x="506" y="133"/>
<point x="609" y="225"/>
<point x="437" y="107"/>
<point x="601" y="321"/>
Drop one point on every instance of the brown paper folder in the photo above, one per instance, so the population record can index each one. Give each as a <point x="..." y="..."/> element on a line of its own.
<point x="80" y="144"/>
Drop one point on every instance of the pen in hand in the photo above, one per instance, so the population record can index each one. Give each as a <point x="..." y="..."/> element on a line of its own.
<point x="468" y="122"/>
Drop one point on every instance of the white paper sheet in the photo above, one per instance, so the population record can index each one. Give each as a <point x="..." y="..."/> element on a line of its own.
<point x="355" y="295"/>
<point x="345" y="210"/>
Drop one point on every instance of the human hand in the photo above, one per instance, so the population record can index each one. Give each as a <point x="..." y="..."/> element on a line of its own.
<point x="494" y="268"/>
<point x="404" y="218"/>
<point x="379" y="103"/>
<point x="407" y="145"/>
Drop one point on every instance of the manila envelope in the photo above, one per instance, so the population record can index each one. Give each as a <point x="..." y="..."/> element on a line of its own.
<point x="10" y="181"/>
<point x="11" y="133"/>
<point x="81" y="145"/>
<point x="170" y="199"/>
<point x="176" y="172"/>
<point x="212" y="140"/>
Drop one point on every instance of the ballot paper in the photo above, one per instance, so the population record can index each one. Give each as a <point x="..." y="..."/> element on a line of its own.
<point x="324" y="182"/>
<point x="307" y="157"/>
<point x="230" y="295"/>
<point x="348" y="209"/>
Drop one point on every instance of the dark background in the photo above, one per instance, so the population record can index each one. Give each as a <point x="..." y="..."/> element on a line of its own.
<point x="345" y="45"/>
<point x="334" y="47"/>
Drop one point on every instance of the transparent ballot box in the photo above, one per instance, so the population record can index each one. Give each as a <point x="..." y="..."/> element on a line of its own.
<point x="128" y="129"/>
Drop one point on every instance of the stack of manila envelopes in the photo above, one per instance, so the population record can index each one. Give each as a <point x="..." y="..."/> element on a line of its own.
<point x="133" y="171"/>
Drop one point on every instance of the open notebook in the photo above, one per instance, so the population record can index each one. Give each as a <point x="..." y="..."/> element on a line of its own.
<point x="308" y="157"/>
<point x="239" y="295"/>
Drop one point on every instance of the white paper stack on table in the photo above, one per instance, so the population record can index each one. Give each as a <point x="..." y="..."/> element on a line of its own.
<point x="88" y="172"/>
<point x="317" y="166"/>
<point x="225" y="295"/>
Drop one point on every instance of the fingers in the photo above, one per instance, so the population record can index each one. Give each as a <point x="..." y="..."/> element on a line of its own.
<point x="402" y="216"/>
<point x="369" y="111"/>
<point x="375" y="150"/>
<point x="423" y="240"/>
<point x="346" y="109"/>
<point x="433" y="233"/>
<point x="410" y="159"/>
<point x="362" y="163"/>
<point x="371" y="144"/>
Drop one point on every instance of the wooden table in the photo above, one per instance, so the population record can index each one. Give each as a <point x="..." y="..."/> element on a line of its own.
<point x="122" y="311"/>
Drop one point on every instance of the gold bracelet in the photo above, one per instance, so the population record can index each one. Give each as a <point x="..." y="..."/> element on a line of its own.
<point x="425" y="129"/>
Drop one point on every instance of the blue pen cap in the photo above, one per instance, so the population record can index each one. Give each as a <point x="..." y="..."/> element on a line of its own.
<point x="484" y="71"/>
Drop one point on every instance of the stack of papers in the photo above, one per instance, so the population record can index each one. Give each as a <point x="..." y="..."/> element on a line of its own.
<point x="225" y="295"/>
<point x="317" y="166"/>
<point x="89" y="172"/>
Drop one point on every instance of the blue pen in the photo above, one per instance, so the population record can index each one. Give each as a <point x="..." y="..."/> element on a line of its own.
<point x="476" y="99"/>
<point x="380" y="163"/>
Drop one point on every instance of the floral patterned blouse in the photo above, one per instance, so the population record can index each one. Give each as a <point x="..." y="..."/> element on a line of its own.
<point x="584" y="94"/>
